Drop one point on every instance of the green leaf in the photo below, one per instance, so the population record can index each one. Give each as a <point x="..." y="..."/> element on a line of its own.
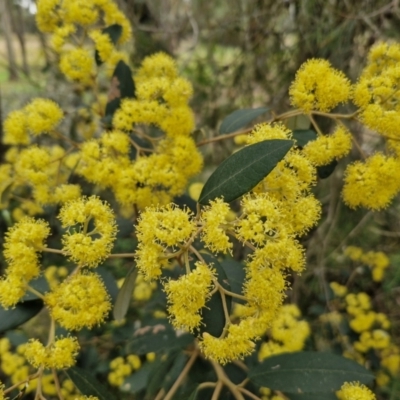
<point x="87" y="384"/>
<point x="122" y="86"/>
<point x="175" y="370"/>
<point x="114" y="31"/>
<point x="136" y="382"/>
<point x="40" y="284"/>
<point x="193" y="396"/>
<point x="159" y="373"/>
<point x="314" y="396"/>
<point x="213" y="316"/>
<point x="124" y="296"/>
<point x="325" y="171"/>
<point x="236" y="274"/>
<point x="155" y="338"/>
<point x="243" y="170"/>
<point x="6" y="193"/>
<point x="109" y="282"/>
<point x="22" y="312"/>
<point x="308" y="372"/>
<point x="303" y="136"/>
<point x="240" y="118"/>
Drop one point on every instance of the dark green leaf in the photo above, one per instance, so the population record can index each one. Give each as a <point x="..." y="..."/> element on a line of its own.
<point x="213" y="316"/>
<point x="240" y="118"/>
<point x="136" y="382"/>
<point x="193" y="396"/>
<point x="155" y="338"/>
<point x="40" y="284"/>
<point x="114" y="32"/>
<point x="175" y="370"/>
<point x="326" y="170"/>
<point x="109" y="282"/>
<point x="158" y="374"/>
<point x="124" y="296"/>
<point x="22" y="312"/>
<point x="6" y="193"/>
<point x="236" y="274"/>
<point x="314" y="396"/>
<point x="243" y="170"/>
<point x="87" y="384"/>
<point x="303" y="136"/>
<point x="308" y="372"/>
<point x="122" y="86"/>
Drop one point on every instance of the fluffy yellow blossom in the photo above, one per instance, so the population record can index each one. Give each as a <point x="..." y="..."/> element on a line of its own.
<point x="42" y="115"/>
<point x="214" y="220"/>
<point x="80" y="301"/>
<point x="287" y="333"/>
<point x="281" y="253"/>
<point x="78" y="12"/>
<point x="88" y="247"/>
<point x="47" y="15"/>
<point x="318" y="86"/>
<point x="60" y="354"/>
<point x="121" y="368"/>
<point x="237" y="343"/>
<point x="376" y="93"/>
<point x="157" y="65"/>
<point x="159" y="228"/>
<point x="22" y="243"/>
<point x="325" y="149"/>
<point x="15" y="128"/>
<point x="78" y="65"/>
<point x="338" y="289"/>
<point x="2" y="395"/>
<point x="12" y="289"/>
<point x="354" y="391"/>
<point x="372" y="183"/>
<point x="266" y="131"/>
<point x="143" y="289"/>
<point x="112" y="15"/>
<point x="67" y="192"/>
<point x="187" y="296"/>
<point x="103" y="43"/>
<point x="60" y="35"/>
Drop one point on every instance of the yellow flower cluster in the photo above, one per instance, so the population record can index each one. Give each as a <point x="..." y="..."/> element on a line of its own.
<point x="143" y="289"/>
<point x="338" y="289"/>
<point x="325" y="149"/>
<point x="58" y="355"/>
<point x="187" y="296"/>
<point x="23" y="242"/>
<point x="374" y="336"/>
<point x="318" y="86"/>
<point x="377" y="91"/>
<point x="278" y="210"/>
<point x="121" y="368"/>
<point x="13" y="364"/>
<point x="158" y="229"/>
<point x="372" y="183"/>
<point x="354" y="391"/>
<point x="287" y="333"/>
<point x="376" y="260"/>
<point x="86" y="246"/>
<point x="45" y="170"/>
<point x="65" y="20"/>
<point x="79" y="301"/>
<point x="162" y="100"/>
<point x="39" y="116"/>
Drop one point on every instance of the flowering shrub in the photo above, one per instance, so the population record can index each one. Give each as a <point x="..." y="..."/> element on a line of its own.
<point x="203" y="310"/>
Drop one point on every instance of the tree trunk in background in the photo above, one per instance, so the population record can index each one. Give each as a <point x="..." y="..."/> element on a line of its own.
<point x="18" y="25"/>
<point x="7" y="31"/>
